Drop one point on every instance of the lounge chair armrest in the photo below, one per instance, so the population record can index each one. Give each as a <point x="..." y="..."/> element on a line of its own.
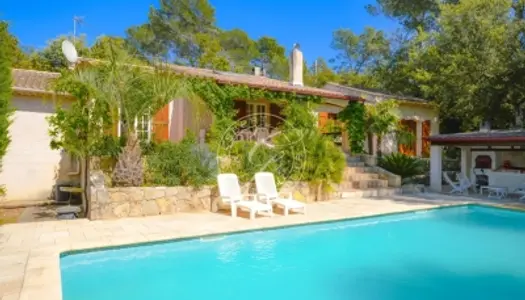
<point x="264" y="198"/>
<point x="227" y="199"/>
<point x="251" y="197"/>
<point x="286" y="194"/>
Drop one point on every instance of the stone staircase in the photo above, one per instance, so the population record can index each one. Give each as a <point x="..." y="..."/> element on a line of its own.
<point x="361" y="181"/>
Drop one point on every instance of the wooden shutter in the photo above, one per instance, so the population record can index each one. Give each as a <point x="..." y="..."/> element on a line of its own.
<point x="427" y="127"/>
<point x="322" y="119"/>
<point x="240" y="107"/>
<point x="409" y="125"/>
<point x="275" y="115"/>
<point x="160" y="124"/>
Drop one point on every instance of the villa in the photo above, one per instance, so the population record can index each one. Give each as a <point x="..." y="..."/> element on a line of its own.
<point x="30" y="157"/>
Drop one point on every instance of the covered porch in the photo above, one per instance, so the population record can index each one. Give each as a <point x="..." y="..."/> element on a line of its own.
<point x="494" y="156"/>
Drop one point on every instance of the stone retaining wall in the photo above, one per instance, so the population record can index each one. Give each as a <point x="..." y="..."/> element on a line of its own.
<point x="113" y="203"/>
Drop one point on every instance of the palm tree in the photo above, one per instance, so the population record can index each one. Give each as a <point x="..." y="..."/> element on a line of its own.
<point x="113" y="92"/>
<point x="381" y="119"/>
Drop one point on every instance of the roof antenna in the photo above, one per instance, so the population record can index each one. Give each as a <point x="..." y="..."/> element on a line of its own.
<point x="76" y="21"/>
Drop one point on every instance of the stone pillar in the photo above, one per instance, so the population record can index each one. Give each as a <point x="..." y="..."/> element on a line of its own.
<point x="419" y="138"/>
<point x="466" y="161"/>
<point x="436" y="157"/>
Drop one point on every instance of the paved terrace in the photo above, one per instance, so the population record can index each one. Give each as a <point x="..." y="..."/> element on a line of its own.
<point x="29" y="252"/>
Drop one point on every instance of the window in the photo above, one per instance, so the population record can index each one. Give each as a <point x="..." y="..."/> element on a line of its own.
<point x="141" y="124"/>
<point x="143" y="127"/>
<point x="258" y="113"/>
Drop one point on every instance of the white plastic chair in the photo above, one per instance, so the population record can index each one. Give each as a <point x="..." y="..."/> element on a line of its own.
<point x="267" y="191"/>
<point x="457" y="187"/>
<point x="467" y="181"/>
<point x="230" y="194"/>
<point x="520" y="191"/>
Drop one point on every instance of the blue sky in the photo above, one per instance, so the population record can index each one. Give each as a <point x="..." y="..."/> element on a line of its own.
<point x="308" y="22"/>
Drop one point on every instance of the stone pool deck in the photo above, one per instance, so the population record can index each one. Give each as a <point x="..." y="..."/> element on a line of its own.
<point x="29" y="252"/>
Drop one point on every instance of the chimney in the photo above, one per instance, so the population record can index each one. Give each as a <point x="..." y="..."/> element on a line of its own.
<point x="484" y="126"/>
<point x="257" y="71"/>
<point x="296" y="66"/>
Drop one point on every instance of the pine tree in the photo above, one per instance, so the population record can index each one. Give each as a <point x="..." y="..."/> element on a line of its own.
<point x="5" y="90"/>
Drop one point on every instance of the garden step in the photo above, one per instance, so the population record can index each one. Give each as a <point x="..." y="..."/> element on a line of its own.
<point x="371" y="183"/>
<point x="365" y="193"/>
<point x="355" y="164"/>
<point x="360" y="176"/>
<point x="354" y="170"/>
<point x="353" y="159"/>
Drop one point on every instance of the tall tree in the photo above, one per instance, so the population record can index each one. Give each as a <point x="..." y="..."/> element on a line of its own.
<point x="210" y="53"/>
<point x="412" y="15"/>
<point x="239" y="48"/>
<point x="272" y="57"/>
<point x="172" y="28"/>
<point x="19" y="57"/>
<point x="463" y="61"/>
<point x="51" y="57"/>
<point x="319" y="73"/>
<point x="5" y="89"/>
<point x="104" y="46"/>
<point x="357" y="53"/>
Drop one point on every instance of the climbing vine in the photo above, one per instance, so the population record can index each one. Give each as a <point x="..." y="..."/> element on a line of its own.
<point x="220" y="99"/>
<point x="353" y="115"/>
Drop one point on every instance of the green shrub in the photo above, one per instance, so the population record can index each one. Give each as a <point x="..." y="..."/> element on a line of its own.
<point x="245" y="158"/>
<point x="5" y="90"/>
<point x="403" y="165"/>
<point x="183" y="163"/>
<point x="309" y="156"/>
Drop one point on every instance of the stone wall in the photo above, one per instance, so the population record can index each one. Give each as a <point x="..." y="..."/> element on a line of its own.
<point x="306" y="192"/>
<point x="113" y="203"/>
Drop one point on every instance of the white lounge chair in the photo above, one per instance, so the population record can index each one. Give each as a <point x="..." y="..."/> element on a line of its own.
<point x="267" y="191"/>
<point x="230" y="194"/>
<point x="520" y="191"/>
<point x="457" y="187"/>
<point x="467" y="181"/>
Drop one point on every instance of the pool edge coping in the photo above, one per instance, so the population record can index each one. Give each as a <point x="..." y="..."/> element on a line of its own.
<point x="70" y="252"/>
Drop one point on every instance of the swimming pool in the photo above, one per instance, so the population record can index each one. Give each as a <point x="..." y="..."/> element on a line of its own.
<point x="467" y="252"/>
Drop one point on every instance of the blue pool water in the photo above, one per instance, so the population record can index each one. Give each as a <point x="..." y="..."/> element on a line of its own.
<point x="468" y="252"/>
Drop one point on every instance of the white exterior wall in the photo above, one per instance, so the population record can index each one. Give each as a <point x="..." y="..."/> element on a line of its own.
<point x="30" y="168"/>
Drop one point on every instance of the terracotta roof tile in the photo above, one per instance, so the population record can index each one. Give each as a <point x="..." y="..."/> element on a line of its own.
<point x="37" y="81"/>
<point x="31" y="80"/>
<point x="370" y="95"/>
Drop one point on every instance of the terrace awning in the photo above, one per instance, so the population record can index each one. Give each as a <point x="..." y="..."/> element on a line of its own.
<point x="480" y="138"/>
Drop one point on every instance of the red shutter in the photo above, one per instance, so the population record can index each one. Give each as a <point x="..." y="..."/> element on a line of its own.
<point x="410" y="126"/>
<point x="322" y="119"/>
<point x="161" y="124"/>
<point x="426" y="133"/>
<point x="240" y="107"/>
<point x="275" y="115"/>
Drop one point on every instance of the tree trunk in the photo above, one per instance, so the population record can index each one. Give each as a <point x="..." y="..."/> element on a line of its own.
<point x="129" y="170"/>
<point x="84" y="184"/>
<point x="379" y="142"/>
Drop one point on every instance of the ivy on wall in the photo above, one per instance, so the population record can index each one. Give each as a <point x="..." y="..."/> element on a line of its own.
<point x="353" y="115"/>
<point x="220" y="100"/>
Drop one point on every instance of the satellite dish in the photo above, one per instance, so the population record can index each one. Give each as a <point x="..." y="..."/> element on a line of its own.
<point x="69" y="51"/>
